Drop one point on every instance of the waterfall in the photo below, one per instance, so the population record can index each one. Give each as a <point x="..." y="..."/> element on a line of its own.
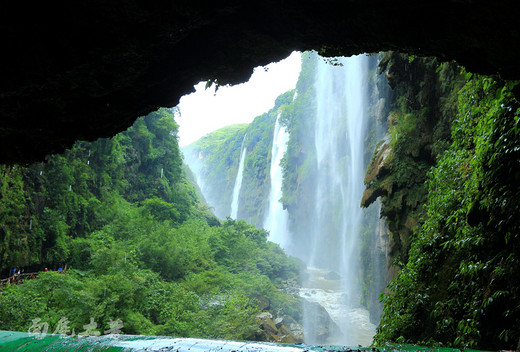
<point x="238" y="181"/>
<point x="277" y="218"/>
<point x="340" y="131"/>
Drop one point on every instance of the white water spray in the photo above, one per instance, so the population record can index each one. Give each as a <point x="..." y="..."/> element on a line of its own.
<point x="340" y="131"/>
<point x="277" y="218"/>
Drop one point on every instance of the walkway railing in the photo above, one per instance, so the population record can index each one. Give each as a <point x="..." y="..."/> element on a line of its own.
<point x="18" y="279"/>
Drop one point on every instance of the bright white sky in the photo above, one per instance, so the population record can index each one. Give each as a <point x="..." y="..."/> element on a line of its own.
<point x="204" y="111"/>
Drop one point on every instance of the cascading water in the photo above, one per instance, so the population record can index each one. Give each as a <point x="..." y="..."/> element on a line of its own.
<point x="277" y="218"/>
<point x="238" y="181"/>
<point x="340" y="131"/>
<point x="324" y="228"/>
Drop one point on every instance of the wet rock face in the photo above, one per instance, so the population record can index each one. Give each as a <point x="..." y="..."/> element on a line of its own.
<point x="377" y="169"/>
<point x="83" y="70"/>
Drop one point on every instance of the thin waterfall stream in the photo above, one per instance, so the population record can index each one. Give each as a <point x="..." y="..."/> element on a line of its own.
<point x="238" y="181"/>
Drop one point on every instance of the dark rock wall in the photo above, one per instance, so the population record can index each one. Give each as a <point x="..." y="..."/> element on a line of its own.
<point x="83" y="70"/>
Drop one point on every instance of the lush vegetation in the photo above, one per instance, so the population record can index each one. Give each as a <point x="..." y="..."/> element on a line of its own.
<point x="459" y="286"/>
<point x="299" y="161"/>
<point x="214" y="159"/>
<point x="254" y="197"/>
<point x="141" y="247"/>
<point x="422" y="106"/>
<point x="138" y="244"/>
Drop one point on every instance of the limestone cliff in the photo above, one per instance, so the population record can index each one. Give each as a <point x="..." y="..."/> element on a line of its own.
<point x="421" y="108"/>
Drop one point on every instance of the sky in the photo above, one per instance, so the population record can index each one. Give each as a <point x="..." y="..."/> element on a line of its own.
<point x="205" y="111"/>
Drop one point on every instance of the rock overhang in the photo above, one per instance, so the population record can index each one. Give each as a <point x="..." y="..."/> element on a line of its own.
<point x="88" y="70"/>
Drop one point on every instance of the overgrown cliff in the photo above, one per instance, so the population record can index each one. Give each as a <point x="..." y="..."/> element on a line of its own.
<point x="419" y="113"/>
<point x="215" y="159"/>
<point x="447" y="175"/>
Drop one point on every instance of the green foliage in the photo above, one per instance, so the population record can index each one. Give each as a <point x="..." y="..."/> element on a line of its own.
<point x="460" y="286"/>
<point x="18" y="308"/>
<point x="15" y="240"/>
<point x="138" y="244"/>
<point x="254" y="195"/>
<point x="215" y="158"/>
<point x="423" y="106"/>
<point x="299" y="161"/>
<point x="219" y="137"/>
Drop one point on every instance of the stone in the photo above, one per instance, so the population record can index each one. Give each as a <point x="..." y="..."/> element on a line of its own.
<point x="264" y="316"/>
<point x="275" y="330"/>
<point x="325" y="327"/>
<point x="378" y="168"/>
<point x="298" y="332"/>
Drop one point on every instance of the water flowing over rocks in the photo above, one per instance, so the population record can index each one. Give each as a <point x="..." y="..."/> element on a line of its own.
<point x="316" y="216"/>
<point x="276" y="221"/>
<point x="238" y="182"/>
<point x="333" y="311"/>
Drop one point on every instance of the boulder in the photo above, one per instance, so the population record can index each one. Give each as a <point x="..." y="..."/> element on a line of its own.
<point x="378" y="168"/>
<point x="275" y="330"/>
<point x="278" y="322"/>
<point x="325" y="328"/>
<point x="332" y="275"/>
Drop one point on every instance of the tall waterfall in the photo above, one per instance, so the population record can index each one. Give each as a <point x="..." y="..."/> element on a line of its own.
<point x="238" y="181"/>
<point x="340" y="131"/>
<point x="277" y="218"/>
<point x="330" y="118"/>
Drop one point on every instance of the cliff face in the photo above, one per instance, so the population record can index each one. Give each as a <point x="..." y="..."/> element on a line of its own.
<point x="451" y="199"/>
<point x="87" y="70"/>
<point x="422" y="106"/>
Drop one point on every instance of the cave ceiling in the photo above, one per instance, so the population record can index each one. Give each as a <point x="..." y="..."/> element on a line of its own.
<point x="87" y="69"/>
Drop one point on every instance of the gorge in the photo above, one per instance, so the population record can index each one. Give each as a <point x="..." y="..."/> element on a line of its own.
<point x="141" y="245"/>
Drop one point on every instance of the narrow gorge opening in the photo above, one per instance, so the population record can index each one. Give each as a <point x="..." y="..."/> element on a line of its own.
<point x="112" y="235"/>
<point x="307" y="193"/>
